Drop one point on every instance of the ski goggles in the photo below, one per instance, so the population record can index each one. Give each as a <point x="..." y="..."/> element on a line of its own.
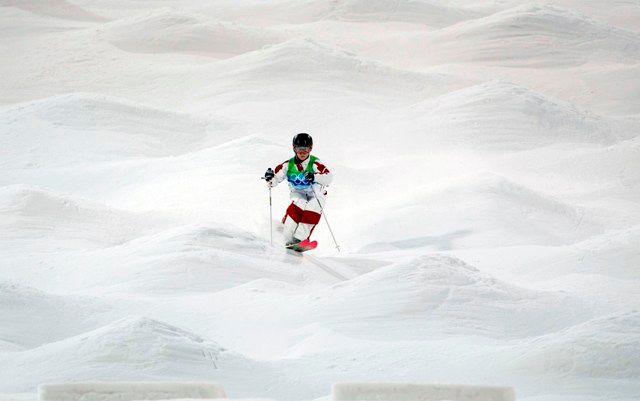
<point x="302" y="148"/>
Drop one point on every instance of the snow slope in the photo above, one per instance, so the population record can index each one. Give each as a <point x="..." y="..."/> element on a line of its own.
<point x="300" y="68"/>
<point x="56" y="8"/>
<point x="436" y="295"/>
<point x="504" y="116"/>
<point x="486" y="158"/>
<point x="480" y="210"/>
<point x="168" y="30"/>
<point x="85" y="127"/>
<point x="602" y="347"/>
<point x="535" y="36"/>
<point x="138" y="349"/>
<point x="64" y="222"/>
<point x="430" y="13"/>
<point x="202" y="258"/>
<point x="59" y="317"/>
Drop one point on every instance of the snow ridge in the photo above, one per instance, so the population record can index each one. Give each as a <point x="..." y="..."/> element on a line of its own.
<point x="62" y="316"/>
<point x="603" y="347"/>
<point x="135" y="348"/>
<point x="83" y="127"/>
<point x="440" y="295"/>
<point x="541" y="35"/>
<point x="430" y="13"/>
<point x="168" y="30"/>
<point x="67" y="220"/>
<point x="503" y="115"/>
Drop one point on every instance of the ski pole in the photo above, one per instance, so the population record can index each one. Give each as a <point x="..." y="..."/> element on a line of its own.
<point x="270" y="216"/>
<point x="325" y="218"/>
<point x="270" y="220"/>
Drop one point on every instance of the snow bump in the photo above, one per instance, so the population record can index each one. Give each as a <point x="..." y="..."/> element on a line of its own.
<point x="604" y="347"/>
<point x="171" y="31"/>
<point x="58" y="316"/>
<point x="133" y="348"/>
<point x="83" y="127"/>
<point x="429" y="13"/>
<point x="534" y="36"/>
<point x="501" y="115"/>
<point x="439" y="295"/>
<point x="65" y="220"/>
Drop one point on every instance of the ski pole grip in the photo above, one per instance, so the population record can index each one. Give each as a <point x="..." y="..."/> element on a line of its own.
<point x="269" y="174"/>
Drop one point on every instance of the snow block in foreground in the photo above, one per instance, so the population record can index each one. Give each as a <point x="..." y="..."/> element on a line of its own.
<point x="123" y="391"/>
<point x="419" y="392"/>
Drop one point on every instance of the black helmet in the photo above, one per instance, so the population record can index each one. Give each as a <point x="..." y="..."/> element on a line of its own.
<point x="303" y="139"/>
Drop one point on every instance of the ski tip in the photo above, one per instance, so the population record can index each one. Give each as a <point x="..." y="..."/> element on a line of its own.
<point x="309" y="244"/>
<point x="303" y="246"/>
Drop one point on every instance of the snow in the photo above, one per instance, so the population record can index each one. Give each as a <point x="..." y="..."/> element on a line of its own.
<point x="411" y="392"/>
<point x="530" y="36"/>
<point x="486" y="196"/>
<point x="601" y="347"/>
<point x="426" y="294"/>
<point x="169" y="30"/>
<point x="429" y="13"/>
<point x="62" y="316"/>
<point x="138" y="348"/>
<point x="80" y="128"/>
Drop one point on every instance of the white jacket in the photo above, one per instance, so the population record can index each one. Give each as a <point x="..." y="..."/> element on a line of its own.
<point x="322" y="175"/>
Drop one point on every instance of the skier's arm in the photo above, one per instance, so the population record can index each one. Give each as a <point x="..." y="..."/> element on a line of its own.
<point x="322" y="175"/>
<point x="280" y="174"/>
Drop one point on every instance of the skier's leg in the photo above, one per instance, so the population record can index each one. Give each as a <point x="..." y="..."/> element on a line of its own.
<point x="310" y="218"/>
<point x="293" y="217"/>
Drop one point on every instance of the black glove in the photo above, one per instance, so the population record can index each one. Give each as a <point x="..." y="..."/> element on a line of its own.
<point x="310" y="176"/>
<point x="269" y="174"/>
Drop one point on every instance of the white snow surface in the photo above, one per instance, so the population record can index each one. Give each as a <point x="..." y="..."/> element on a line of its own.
<point x="486" y="196"/>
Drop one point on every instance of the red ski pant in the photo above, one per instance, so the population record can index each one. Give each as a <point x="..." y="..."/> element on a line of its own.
<point x="303" y="214"/>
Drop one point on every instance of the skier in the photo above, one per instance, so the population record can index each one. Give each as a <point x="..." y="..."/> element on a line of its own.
<point x="307" y="179"/>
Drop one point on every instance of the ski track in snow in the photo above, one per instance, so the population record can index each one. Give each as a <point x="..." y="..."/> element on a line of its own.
<point x="486" y="195"/>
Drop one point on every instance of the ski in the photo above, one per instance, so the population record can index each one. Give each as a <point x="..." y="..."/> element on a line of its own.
<point x="303" y="246"/>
